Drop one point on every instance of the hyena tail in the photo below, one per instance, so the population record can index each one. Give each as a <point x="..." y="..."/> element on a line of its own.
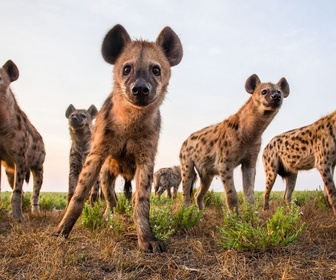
<point x="193" y="182"/>
<point x="281" y="169"/>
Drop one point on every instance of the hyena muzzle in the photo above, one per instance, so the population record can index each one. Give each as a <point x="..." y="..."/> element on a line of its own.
<point x="302" y="149"/>
<point x="21" y="146"/>
<point x="127" y="128"/>
<point x="219" y="148"/>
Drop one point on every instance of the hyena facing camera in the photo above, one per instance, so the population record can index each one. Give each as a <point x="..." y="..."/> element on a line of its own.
<point x="218" y="149"/>
<point x="127" y="127"/>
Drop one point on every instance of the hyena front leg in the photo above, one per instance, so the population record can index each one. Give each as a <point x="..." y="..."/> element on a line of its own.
<point x="87" y="177"/>
<point x="248" y="173"/>
<point x="329" y="185"/>
<point x="226" y="176"/>
<point x="38" y="180"/>
<point x="141" y="199"/>
<point x="17" y="194"/>
<point x="271" y="174"/>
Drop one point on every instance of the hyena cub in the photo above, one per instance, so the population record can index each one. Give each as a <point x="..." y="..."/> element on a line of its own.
<point x="127" y="128"/>
<point x="302" y="149"/>
<point x="219" y="148"/>
<point x="21" y="146"/>
<point x="80" y="128"/>
<point x="165" y="179"/>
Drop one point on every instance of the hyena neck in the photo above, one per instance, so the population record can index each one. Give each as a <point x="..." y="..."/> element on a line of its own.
<point x="253" y="121"/>
<point x="81" y="137"/>
<point x="7" y="111"/>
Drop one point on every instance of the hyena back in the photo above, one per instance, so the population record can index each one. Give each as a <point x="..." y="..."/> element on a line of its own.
<point x="127" y="127"/>
<point x="21" y="146"/>
<point x="165" y="179"/>
<point x="302" y="149"/>
<point x="80" y="129"/>
<point x="219" y="148"/>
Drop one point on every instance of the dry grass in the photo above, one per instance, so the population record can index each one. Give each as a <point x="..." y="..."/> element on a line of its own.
<point x="28" y="251"/>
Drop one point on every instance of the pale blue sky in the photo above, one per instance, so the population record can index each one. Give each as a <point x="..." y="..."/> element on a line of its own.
<point x="56" y="46"/>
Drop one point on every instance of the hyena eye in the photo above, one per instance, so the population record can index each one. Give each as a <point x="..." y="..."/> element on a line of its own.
<point x="127" y="70"/>
<point x="264" y="92"/>
<point x="83" y="116"/>
<point x="156" y="71"/>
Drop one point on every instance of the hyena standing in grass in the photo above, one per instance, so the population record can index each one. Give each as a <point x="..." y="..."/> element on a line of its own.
<point x="21" y="146"/>
<point x="127" y="127"/>
<point x="302" y="149"/>
<point x="80" y="128"/>
<point x="219" y="148"/>
<point x="165" y="179"/>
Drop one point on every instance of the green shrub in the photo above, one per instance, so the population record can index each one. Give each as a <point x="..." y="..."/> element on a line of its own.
<point x="161" y="218"/>
<point x="186" y="218"/>
<point x="92" y="217"/>
<point x="247" y="231"/>
<point x="214" y="199"/>
<point x="50" y="201"/>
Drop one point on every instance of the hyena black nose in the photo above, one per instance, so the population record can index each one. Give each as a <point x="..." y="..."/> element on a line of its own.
<point x="141" y="87"/>
<point x="276" y="96"/>
<point x="74" y="118"/>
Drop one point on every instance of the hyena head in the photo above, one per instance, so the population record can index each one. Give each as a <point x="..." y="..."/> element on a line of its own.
<point x="267" y="97"/>
<point x="80" y="118"/>
<point x="8" y="73"/>
<point x="141" y="68"/>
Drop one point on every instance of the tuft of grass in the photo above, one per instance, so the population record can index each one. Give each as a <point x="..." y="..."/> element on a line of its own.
<point x="186" y="218"/>
<point x="248" y="231"/>
<point x="92" y="217"/>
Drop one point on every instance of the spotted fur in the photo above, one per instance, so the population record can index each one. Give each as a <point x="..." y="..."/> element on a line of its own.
<point x="127" y="127"/>
<point x="219" y="148"/>
<point x="21" y="146"/>
<point x="312" y="146"/>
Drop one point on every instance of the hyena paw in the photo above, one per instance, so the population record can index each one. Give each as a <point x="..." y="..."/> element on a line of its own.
<point x="17" y="216"/>
<point x="35" y="208"/>
<point x="151" y="246"/>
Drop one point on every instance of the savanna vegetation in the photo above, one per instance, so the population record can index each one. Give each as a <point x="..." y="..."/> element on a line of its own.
<point x="294" y="241"/>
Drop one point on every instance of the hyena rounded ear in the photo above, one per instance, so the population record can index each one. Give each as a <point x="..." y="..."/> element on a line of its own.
<point x="69" y="110"/>
<point x="93" y="111"/>
<point x="251" y="83"/>
<point x="114" y="42"/>
<point x="283" y="84"/>
<point x="12" y="70"/>
<point x="171" y="45"/>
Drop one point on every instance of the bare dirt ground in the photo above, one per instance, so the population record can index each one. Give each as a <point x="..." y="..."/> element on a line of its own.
<point x="28" y="251"/>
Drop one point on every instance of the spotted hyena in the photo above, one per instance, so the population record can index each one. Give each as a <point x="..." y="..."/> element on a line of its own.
<point x="167" y="178"/>
<point x="21" y="146"/>
<point x="219" y="148"/>
<point x="80" y="128"/>
<point x="127" y="127"/>
<point x="302" y="149"/>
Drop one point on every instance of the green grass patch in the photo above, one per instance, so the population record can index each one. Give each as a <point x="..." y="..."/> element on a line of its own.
<point x="248" y="231"/>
